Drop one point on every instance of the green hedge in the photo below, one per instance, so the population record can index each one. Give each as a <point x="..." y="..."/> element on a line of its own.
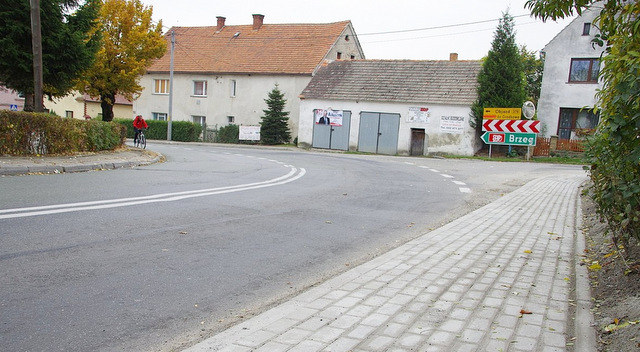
<point x="25" y="133"/>
<point x="182" y="131"/>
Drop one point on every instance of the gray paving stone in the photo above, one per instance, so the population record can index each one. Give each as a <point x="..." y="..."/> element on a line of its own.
<point x="461" y="287"/>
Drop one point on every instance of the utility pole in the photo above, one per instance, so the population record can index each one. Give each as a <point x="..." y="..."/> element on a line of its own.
<point x="173" y="44"/>
<point x="36" y="43"/>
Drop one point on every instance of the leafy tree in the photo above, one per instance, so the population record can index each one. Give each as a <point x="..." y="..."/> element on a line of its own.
<point x="532" y="67"/>
<point x="501" y="79"/>
<point x="68" y="45"/>
<point x="274" y="128"/>
<point x="130" y="43"/>
<point x="614" y="151"/>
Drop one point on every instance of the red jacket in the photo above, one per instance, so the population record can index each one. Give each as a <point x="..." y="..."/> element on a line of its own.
<point x="139" y="123"/>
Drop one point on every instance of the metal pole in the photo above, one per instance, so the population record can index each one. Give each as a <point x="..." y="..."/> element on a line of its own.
<point x="169" y="116"/>
<point x="36" y="43"/>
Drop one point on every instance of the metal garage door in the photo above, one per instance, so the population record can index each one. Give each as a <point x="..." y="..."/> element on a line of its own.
<point x="379" y="133"/>
<point x="333" y="137"/>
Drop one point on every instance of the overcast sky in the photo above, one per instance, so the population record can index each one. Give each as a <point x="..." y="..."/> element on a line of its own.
<point x="420" y="29"/>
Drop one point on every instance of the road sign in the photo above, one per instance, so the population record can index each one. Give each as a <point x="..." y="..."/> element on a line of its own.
<point x="13" y="107"/>
<point x="520" y="126"/>
<point x="508" y="138"/>
<point x="502" y="113"/>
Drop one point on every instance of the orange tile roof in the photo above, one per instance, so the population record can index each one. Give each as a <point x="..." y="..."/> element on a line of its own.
<point x="272" y="49"/>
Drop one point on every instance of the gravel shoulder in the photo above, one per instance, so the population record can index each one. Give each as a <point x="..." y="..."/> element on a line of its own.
<point x="615" y="284"/>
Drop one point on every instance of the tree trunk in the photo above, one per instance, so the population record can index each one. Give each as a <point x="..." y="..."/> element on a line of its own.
<point x="29" y="99"/>
<point x="106" y="102"/>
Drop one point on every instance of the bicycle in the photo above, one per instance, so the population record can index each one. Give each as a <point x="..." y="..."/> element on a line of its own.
<point x="141" y="142"/>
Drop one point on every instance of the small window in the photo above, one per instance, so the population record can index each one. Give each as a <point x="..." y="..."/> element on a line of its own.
<point x="160" y="116"/>
<point x="161" y="86"/>
<point x="339" y="55"/>
<point x="68" y="114"/>
<point x="200" y="88"/>
<point x="353" y="57"/>
<point x="586" y="29"/>
<point x="200" y="120"/>
<point x="584" y="70"/>
<point x="234" y="86"/>
<point x="231" y="119"/>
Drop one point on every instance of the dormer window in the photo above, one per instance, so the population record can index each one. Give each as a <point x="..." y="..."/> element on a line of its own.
<point x="586" y="28"/>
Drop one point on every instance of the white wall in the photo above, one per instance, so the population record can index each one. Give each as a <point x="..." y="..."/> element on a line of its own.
<point x="247" y="106"/>
<point x="436" y="141"/>
<point x="556" y="92"/>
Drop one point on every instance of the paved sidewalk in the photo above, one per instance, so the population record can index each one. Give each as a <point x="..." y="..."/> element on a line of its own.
<point x="499" y="279"/>
<point x="122" y="158"/>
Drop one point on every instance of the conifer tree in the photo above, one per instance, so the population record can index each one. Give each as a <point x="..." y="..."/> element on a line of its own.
<point x="274" y="128"/>
<point x="501" y="79"/>
<point x="68" y="45"/>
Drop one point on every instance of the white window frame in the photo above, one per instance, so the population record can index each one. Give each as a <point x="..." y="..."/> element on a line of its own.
<point x="231" y="120"/>
<point x="159" y="116"/>
<point x="200" y="120"/>
<point x="160" y="86"/>
<point x="234" y="88"/>
<point x="200" y="88"/>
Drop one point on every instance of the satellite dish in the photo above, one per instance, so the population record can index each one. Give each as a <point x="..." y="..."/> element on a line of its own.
<point x="528" y="110"/>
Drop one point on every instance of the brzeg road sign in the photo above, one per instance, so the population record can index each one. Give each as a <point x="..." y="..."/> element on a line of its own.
<point x="526" y="139"/>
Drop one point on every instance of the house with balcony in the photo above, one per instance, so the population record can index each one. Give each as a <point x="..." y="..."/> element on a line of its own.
<point x="222" y="74"/>
<point x="570" y="80"/>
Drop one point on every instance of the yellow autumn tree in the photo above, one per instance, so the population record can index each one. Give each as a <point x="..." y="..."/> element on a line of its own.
<point x="130" y="43"/>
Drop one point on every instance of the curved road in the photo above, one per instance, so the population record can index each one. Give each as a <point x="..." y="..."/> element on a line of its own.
<point x="158" y="257"/>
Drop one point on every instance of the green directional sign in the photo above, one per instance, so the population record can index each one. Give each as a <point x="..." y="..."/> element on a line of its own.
<point x="508" y="138"/>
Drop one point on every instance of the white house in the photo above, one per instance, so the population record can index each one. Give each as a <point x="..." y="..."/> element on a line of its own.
<point x="570" y="79"/>
<point x="392" y="107"/>
<point x="223" y="73"/>
<point x="80" y="106"/>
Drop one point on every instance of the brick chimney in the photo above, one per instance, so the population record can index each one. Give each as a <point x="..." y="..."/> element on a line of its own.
<point x="453" y="57"/>
<point x="257" y="21"/>
<point x="220" y="22"/>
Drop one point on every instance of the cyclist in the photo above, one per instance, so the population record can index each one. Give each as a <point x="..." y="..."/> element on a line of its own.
<point x="138" y="124"/>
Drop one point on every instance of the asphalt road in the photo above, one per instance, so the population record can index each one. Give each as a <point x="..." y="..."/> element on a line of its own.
<point x="158" y="257"/>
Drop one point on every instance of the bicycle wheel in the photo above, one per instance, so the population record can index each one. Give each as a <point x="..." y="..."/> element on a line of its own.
<point x="142" y="141"/>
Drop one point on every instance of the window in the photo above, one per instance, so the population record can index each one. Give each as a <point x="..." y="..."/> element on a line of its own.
<point x="231" y="119"/>
<point x="161" y="86"/>
<point x="584" y="70"/>
<point x="339" y="55"/>
<point x="68" y="114"/>
<point x="353" y="57"/>
<point x="200" y="88"/>
<point x="234" y="86"/>
<point x="160" y="116"/>
<point x="572" y="120"/>
<point x="586" y="29"/>
<point x="200" y="120"/>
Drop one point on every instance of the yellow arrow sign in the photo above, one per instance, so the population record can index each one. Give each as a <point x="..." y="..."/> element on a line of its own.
<point x="502" y="113"/>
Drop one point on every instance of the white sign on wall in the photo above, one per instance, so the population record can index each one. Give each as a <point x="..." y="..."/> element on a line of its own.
<point x="329" y="117"/>
<point x="418" y="115"/>
<point x="249" y="133"/>
<point x="452" y="124"/>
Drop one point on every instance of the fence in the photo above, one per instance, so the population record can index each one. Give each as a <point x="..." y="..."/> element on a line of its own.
<point x="545" y="146"/>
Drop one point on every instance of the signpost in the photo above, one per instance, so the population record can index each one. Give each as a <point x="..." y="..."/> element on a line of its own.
<point x="504" y="126"/>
